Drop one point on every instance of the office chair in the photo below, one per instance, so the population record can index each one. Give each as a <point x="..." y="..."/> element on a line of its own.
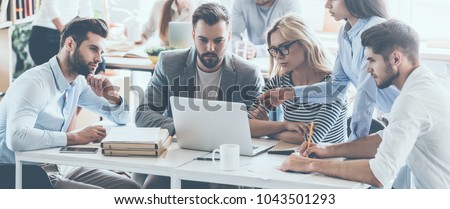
<point x="375" y="126"/>
<point x="33" y="177"/>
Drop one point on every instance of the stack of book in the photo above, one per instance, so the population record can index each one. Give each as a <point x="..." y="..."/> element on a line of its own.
<point x="131" y="141"/>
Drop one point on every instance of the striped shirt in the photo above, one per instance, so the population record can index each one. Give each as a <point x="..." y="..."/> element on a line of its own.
<point x="329" y="119"/>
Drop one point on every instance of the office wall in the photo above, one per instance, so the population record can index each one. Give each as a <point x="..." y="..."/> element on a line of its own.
<point x="119" y="9"/>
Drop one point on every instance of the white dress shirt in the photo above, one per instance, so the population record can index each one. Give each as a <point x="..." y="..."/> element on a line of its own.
<point x="419" y="132"/>
<point x="246" y="15"/>
<point x="65" y="10"/>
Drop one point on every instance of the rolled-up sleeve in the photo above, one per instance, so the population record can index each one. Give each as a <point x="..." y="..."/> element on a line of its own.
<point x="22" y="115"/>
<point x="399" y="137"/>
<point x="119" y="114"/>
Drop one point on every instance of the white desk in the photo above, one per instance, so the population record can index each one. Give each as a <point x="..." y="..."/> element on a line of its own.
<point x="260" y="171"/>
<point x="133" y="64"/>
<point x="156" y="166"/>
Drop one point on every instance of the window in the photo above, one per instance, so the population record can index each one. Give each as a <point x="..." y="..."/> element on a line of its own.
<point x="427" y="17"/>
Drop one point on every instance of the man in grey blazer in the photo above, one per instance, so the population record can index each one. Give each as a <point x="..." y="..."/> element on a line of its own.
<point x="208" y="71"/>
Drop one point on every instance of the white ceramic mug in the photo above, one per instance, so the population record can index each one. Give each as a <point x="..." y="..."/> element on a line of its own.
<point x="229" y="156"/>
<point x="241" y="49"/>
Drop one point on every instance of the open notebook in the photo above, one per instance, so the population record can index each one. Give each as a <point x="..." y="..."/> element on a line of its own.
<point x="123" y="49"/>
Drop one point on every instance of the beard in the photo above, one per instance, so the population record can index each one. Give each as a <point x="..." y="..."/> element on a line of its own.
<point x="391" y="75"/>
<point x="78" y="65"/>
<point x="212" y="61"/>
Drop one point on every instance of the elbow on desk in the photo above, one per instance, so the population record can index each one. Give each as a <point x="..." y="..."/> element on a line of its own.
<point x="15" y="141"/>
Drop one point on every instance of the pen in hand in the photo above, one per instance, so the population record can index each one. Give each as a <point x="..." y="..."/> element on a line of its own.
<point x="310" y="136"/>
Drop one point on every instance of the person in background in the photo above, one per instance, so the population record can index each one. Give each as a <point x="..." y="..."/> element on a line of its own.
<point x="349" y="68"/>
<point x="418" y="131"/>
<point x="255" y="16"/>
<point x="300" y="60"/>
<point x="36" y="112"/>
<point x="206" y="71"/>
<point x="162" y="13"/>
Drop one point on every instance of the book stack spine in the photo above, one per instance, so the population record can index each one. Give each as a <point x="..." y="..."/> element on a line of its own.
<point x="133" y="150"/>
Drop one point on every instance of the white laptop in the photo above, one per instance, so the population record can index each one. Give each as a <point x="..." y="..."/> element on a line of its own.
<point x="206" y="124"/>
<point x="180" y="34"/>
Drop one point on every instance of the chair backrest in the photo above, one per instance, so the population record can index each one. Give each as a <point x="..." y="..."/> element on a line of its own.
<point x="375" y="126"/>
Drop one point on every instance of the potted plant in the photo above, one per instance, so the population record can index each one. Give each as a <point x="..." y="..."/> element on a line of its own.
<point x="153" y="52"/>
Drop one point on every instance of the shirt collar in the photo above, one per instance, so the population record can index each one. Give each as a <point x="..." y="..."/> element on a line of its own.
<point x="61" y="82"/>
<point x="420" y="71"/>
<point x="352" y="31"/>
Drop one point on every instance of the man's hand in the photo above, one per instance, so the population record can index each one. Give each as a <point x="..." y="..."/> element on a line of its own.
<point x="251" y="51"/>
<point x="102" y="87"/>
<point x="318" y="151"/>
<point x="297" y="163"/>
<point x="87" y="135"/>
<point x="275" y="97"/>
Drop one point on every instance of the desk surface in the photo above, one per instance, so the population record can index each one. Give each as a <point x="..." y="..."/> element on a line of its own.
<point x="139" y="64"/>
<point x="261" y="171"/>
<point x="151" y="165"/>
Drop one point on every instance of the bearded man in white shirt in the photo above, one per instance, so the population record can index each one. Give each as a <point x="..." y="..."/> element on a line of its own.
<point x="38" y="107"/>
<point x="418" y="131"/>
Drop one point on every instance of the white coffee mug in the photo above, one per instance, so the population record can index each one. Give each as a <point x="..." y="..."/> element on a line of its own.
<point x="229" y="156"/>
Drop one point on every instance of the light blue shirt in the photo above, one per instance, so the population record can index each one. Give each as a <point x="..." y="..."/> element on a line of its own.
<point x="351" y="67"/>
<point x="39" y="105"/>
<point x="257" y="19"/>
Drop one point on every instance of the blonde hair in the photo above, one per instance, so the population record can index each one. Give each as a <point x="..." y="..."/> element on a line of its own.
<point x="292" y="28"/>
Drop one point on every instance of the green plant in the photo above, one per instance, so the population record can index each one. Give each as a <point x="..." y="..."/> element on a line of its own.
<point x="156" y="50"/>
<point x="20" y="36"/>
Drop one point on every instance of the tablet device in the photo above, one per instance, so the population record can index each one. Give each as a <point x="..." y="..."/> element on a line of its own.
<point x="84" y="150"/>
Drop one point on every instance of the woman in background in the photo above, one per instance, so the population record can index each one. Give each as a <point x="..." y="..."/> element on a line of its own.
<point x="162" y="13"/>
<point x="299" y="59"/>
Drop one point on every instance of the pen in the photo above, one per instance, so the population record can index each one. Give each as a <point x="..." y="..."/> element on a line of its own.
<point x="310" y="135"/>
<point x="205" y="158"/>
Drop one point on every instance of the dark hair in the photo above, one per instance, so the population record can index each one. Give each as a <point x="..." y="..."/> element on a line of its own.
<point x="384" y="38"/>
<point x="366" y="8"/>
<point x="166" y="17"/>
<point x="211" y="13"/>
<point x="79" y="27"/>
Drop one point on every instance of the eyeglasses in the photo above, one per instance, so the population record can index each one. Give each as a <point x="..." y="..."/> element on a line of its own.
<point x="283" y="49"/>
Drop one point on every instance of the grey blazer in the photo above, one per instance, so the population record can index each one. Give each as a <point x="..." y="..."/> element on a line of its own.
<point x="175" y="75"/>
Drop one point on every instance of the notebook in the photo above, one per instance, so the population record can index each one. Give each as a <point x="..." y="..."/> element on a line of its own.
<point x="139" y="152"/>
<point x="206" y="124"/>
<point x="180" y="34"/>
<point x="284" y="148"/>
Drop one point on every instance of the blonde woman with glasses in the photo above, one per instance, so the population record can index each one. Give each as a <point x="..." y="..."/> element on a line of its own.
<point x="299" y="59"/>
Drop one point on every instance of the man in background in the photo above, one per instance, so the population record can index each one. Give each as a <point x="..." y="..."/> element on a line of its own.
<point x="255" y="16"/>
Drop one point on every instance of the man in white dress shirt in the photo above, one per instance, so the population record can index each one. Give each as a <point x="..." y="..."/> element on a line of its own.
<point x="39" y="105"/>
<point x="419" y="131"/>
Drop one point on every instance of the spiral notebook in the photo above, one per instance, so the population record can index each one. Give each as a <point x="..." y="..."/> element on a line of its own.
<point x="284" y="148"/>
